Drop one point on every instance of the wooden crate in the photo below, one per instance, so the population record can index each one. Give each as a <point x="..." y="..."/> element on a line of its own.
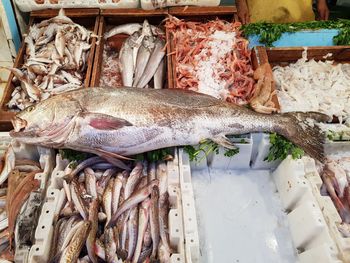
<point x="197" y="14"/>
<point x="286" y="55"/>
<point x="115" y="17"/>
<point x="85" y="17"/>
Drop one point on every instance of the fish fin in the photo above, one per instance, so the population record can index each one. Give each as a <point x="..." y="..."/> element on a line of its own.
<point x="223" y="141"/>
<point x="299" y="128"/>
<point x="116" y="162"/>
<point x="105" y="122"/>
<point x="114" y="155"/>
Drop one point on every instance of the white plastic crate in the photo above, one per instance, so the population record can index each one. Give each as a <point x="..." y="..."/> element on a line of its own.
<point x="298" y="184"/>
<point x="263" y="145"/>
<point x="55" y="197"/>
<point x="32" y="5"/>
<point x="151" y="4"/>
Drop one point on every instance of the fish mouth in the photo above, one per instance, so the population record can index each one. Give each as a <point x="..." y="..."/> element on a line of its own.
<point x="18" y="124"/>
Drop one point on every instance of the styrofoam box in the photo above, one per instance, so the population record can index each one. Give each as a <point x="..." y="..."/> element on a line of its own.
<point x="298" y="184"/>
<point x="31" y="5"/>
<point x="55" y="199"/>
<point x="149" y="5"/>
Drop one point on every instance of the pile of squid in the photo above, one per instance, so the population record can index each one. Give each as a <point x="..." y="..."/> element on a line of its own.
<point x="212" y="58"/>
<point x="55" y="61"/>
<point x="17" y="183"/>
<point x="112" y="215"/>
<point x="336" y="183"/>
<point x="141" y="58"/>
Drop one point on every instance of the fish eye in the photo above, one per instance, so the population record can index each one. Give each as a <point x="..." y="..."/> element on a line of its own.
<point x="30" y="108"/>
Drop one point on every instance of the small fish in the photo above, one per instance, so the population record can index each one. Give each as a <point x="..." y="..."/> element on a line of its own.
<point x="73" y="227"/>
<point x="132" y="230"/>
<point x="81" y="166"/>
<point x="154" y="220"/>
<point x="147" y="239"/>
<point x="142" y="225"/>
<point x="151" y="172"/>
<point x="143" y="56"/>
<point x="126" y="62"/>
<point x="91" y="239"/>
<point x="103" y="182"/>
<point x="128" y="29"/>
<point x="133" y="180"/>
<point x="100" y="249"/>
<point x="155" y="59"/>
<point x="90" y="182"/>
<point x="118" y="184"/>
<point x="77" y="200"/>
<point x="162" y="176"/>
<point x="132" y="201"/>
<point x="110" y="246"/>
<point x="164" y="207"/>
<point x="159" y="76"/>
<point x="107" y="199"/>
<point x="60" y="43"/>
<point x="31" y="89"/>
<point x="71" y="253"/>
<point x="163" y="253"/>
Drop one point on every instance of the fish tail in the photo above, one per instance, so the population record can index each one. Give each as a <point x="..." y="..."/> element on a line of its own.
<point x="300" y="128"/>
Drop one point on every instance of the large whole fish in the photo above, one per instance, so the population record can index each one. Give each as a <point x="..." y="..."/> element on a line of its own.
<point x="126" y="121"/>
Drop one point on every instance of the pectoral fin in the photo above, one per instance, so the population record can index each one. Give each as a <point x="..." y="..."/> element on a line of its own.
<point x="223" y="141"/>
<point x="102" y="121"/>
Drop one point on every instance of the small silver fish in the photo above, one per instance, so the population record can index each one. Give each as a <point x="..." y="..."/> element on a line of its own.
<point x="126" y="63"/>
<point x="143" y="55"/>
<point x="128" y="29"/>
<point x="155" y="59"/>
<point x="159" y="76"/>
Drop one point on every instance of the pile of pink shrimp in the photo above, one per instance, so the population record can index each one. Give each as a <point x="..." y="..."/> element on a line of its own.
<point x="190" y="38"/>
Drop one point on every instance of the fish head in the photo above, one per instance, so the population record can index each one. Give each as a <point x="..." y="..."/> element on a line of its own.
<point x="43" y="121"/>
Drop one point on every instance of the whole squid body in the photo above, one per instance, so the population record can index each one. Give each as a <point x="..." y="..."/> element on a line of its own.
<point x="127" y="121"/>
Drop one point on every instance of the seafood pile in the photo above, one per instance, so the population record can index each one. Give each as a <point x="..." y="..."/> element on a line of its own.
<point x="17" y="183"/>
<point x="336" y="179"/>
<point x="310" y="85"/>
<point x="55" y="61"/>
<point x="141" y="58"/>
<point x="212" y="58"/>
<point x="113" y="215"/>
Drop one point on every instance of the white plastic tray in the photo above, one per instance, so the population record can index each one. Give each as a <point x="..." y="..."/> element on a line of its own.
<point x="55" y="196"/>
<point x="31" y="5"/>
<point x="312" y="217"/>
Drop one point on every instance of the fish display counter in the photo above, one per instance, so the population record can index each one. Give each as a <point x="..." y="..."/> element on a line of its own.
<point x="160" y="136"/>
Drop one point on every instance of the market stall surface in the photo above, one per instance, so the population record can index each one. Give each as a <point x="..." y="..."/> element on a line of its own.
<point x="240" y="217"/>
